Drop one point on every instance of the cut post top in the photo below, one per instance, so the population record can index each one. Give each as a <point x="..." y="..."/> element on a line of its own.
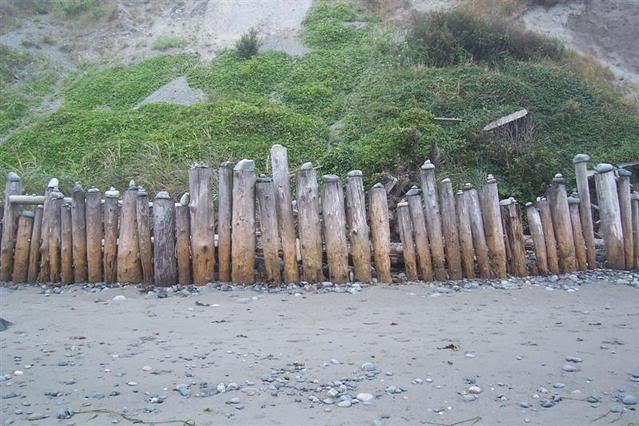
<point x="245" y="165"/>
<point x="227" y="165"/>
<point x="604" y="168"/>
<point x="185" y="199"/>
<point x="414" y="191"/>
<point x="428" y="165"/>
<point x="163" y="195"/>
<point x="581" y="158"/>
<point x="624" y="173"/>
<point x="354" y="173"/>
<point x="559" y="179"/>
<point x="330" y="179"/>
<point x="573" y="200"/>
<point x="12" y="177"/>
<point x="112" y="193"/>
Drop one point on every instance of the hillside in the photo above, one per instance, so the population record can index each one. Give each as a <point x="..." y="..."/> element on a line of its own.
<point x="348" y="91"/>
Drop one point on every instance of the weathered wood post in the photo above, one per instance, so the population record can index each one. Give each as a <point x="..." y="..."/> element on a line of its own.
<point x="202" y="225"/>
<point x="66" y="245"/>
<point x="358" y="234"/>
<point x="561" y="223"/>
<point x="585" y="207"/>
<point x="577" y="233"/>
<point x="335" y="229"/>
<point x="266" y="209"/>
<point x="23" y="242"/>
<point x="94" y="234"/>
<point x="433" y="219"/>
<point x="308" y="218"/>
<point x="380" y="232"/>
<point x="225" y="216"/>
<point x="79" y="233"/>
<point x="44" y="246"/>
<point x="625" y="207"/>
<point x="489" y="197"/>
<point x="183" y="240"/>
<point x="284" y="206"/>
<point x="420" y="233"/>
<point x="539" y="240"/>
<point x="34" y="248"/>
<point x="128" y="258"/>
<point x="477" y="228"/>
<point x="635" y="226"/>
<point x="549" y="234"/>
<point x="143" y="222"/>
<point x="405" y="226"/>
<point x="164" y="269"/>
<point x="12" y="187"/>
<point x="610" y="215"/>
<point x="111" y="235"/>
<point x="465" y="237"/>
<point x="515" y="233"/>
<point x="243" y="249"/>
<point x="449" y="227"/>
<point x="56" y="200"/>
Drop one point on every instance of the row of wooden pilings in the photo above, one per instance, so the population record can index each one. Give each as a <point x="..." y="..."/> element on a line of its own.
<point x="331" y="232"/>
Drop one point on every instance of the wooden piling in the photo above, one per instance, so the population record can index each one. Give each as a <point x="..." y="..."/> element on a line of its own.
<point x="23" y="242"/>
<point x="420" y="233"/>
<point x="164" y="263"/>
<point x="66" y="245"/>
<point x="34" y="248"/>
<point x="284" y="206"/>
<point x="477" y="230"/>
<point x="308" y="219"/>
<point x="405" y="227"/>
<point x="56" y="200"/>
<point x="635" y="226"/>
<point x="489" y="198"/>
<point x="625" y="207"/>
<point x="110" y="235"/>
<point x="449" y="228"/>
<point x="585" y="207"/>
<point x="380" y="232"/>
<point x="465" y="237"/>
<point x="79" y="233"/>
<point x="94" y="234"/>
<point x="562" y="226"/>
<point x="539" y="240"/>
<point x="549" y="234"/>
<point x="266" y="209"/>
<point x="44" y="242"/>
<point x="358" y="233"/>
<point x="143" y="221"/>
<point x="202" y="225"/>
<point x="515" y="233"/>
<point x="10" y="216"/>
<point x="225" y="216"/>
<point x="577" y="233"/>
<point x="610" y="216"/>
<point x="335" y="229"/>
<point x="128" y="258"/>
<point x="183" y="240"/>
<point x="433" y="219"/>
<point x="243" y="249"/>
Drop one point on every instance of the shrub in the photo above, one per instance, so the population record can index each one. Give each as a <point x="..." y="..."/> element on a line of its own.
<point x="165" y="42"/>
<point x="248" y="45"/>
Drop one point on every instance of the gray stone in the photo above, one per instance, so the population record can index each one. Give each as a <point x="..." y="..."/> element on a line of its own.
<point x="629" y="399"/>
<point x="525" y="404"/>
<point x="36" y="416"/>
<point x="344" y="404"/>
<point x="569" y="368"/>
<point x="183" y="389"/>
<point x="365" y="397"/>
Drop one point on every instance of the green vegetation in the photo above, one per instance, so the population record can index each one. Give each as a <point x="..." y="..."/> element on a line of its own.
<point x="248" y="45"/>
<point x="165" y="42"/>
<point x="383" y="95"/>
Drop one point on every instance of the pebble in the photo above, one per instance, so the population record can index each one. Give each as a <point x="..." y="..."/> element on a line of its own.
<point x="629" y="399"/>
<point x="18" y="373"/>
<point x="474" y="390"/>
<point x="119" y="298"/>
<point x="234" y="400"/>
<point x="574" y="359"/>
<point x="344" y="404"/>
<point x="558" y="386"/>
<point x="569" y="368"/>
<point x="183" y="389"/>
<point x="368" y="366"/>
<point x="525" y="404"/>
<point x="365" y="397"/>
<point x="147" y="368"/>
<point x="36" y="416"/>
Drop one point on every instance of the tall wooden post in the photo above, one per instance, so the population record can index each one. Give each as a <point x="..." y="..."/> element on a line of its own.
<point x="183" y="240"/>
<point x="433" y="219"/>
<point x="420" y="233"/>
<point x="308" y="218"/>
<point x="56" y="200"/>
<point x="66" y="245"/>
<point x="335" y="229"/>
<point x="284" y="206"/>
<point x="79" y="233"/>
<point x="243" y="250"/>
<point x="164" y="269"/>
<point x="635" y="226"/>
<point x="549" y="234"/>
<point x="539" y="240"/>
<point x="128" y="259"/>
<point x="477" y="229"/>
<point x="577" y="233"/>
<point x="610" y="215"/>
<point x="202" y="225"/>
<point x="449" y="227"/>
<point x="489" y="197"/>
<point x="380" y="232"/>
<point x="44" y="243"/>
<point x="561" y="223"/>
<point x="266" y="208"/>
<point x="625" y="207"/>
<point x="23" y="242"/>
<point x="34" y="248"/>
<point x="515" y="232"/>
<point x="225" y="216"/>
<point x="585" y="207"/>
<point x="94" y="234"/>
<point x="12" y="187"/>
<point x="358" y="234"/>
<point x="143" y="221"/>
<point x="406" y="235"/>
<point x="465" y="237"/>
<point x="110" y="235"/>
